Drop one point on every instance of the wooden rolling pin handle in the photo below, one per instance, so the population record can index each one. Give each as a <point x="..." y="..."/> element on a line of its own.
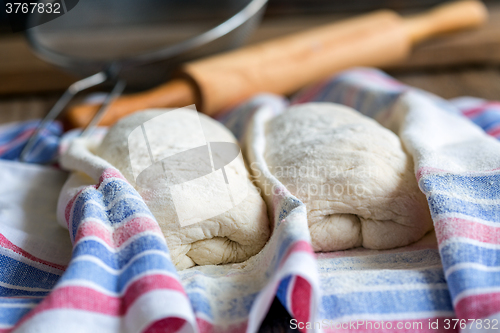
<point x="175" y="93"/>
<point x="446" y="18"/>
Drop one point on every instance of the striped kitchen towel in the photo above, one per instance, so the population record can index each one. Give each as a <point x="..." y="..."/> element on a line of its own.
<point x="13" y="138"/>
<point x="485" y="114"/>
<point x="457" y="166"/>
<point x="120" y="277"/>
<point x="34" y="249"/>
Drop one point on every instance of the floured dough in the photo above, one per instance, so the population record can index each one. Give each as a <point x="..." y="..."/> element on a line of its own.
<point x="353" y="175"/>
<point x="232" y="236"/>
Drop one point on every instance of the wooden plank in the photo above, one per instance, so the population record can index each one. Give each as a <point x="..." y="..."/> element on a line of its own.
<point x="477" y="82"/>
<point x="25" y="108"/>
<point x="22" y="72"/>
<point x="481" y="46"/>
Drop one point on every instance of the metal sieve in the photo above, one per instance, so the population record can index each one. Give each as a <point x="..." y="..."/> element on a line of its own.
<point x="137" y="43"/>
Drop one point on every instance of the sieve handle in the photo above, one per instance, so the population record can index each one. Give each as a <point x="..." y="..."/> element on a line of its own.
<point x="59" y="107"/>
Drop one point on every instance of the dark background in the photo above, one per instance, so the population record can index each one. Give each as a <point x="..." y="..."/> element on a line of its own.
<point x="311" y="7"/>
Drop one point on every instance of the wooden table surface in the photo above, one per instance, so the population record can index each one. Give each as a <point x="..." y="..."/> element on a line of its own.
<point x="463" y="64"/>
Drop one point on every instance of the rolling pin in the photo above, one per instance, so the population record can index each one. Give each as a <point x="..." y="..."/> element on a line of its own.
<point x="286" y="64"/>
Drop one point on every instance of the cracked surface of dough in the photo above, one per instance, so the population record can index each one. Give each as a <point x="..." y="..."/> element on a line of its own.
<point x="233" y="236"/>
<point x="356" y="180"/>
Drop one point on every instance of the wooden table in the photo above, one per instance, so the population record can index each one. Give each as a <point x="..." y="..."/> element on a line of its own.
<point x="466" y="63"/>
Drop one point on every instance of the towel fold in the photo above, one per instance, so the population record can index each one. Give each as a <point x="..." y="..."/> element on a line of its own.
<point x="121" y="279"/>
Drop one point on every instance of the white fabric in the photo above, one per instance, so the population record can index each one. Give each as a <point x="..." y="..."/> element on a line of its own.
<point x="28" y="200"/>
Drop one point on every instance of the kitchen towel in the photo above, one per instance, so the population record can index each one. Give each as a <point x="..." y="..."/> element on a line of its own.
<point x="112" y="230"/>
<point x="34" y="249"/>
<point x="13" y="138"/>
<point x="120" y="277"/>
<point x="457" y="166"/>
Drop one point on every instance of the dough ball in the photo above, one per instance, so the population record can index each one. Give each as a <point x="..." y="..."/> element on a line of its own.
<point x="353" y="175"/>
<point x="237" y="233"/>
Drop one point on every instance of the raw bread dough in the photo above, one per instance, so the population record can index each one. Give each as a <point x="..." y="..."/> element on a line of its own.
<point x="353" y="175"/>
<point x="233" y="236"/>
